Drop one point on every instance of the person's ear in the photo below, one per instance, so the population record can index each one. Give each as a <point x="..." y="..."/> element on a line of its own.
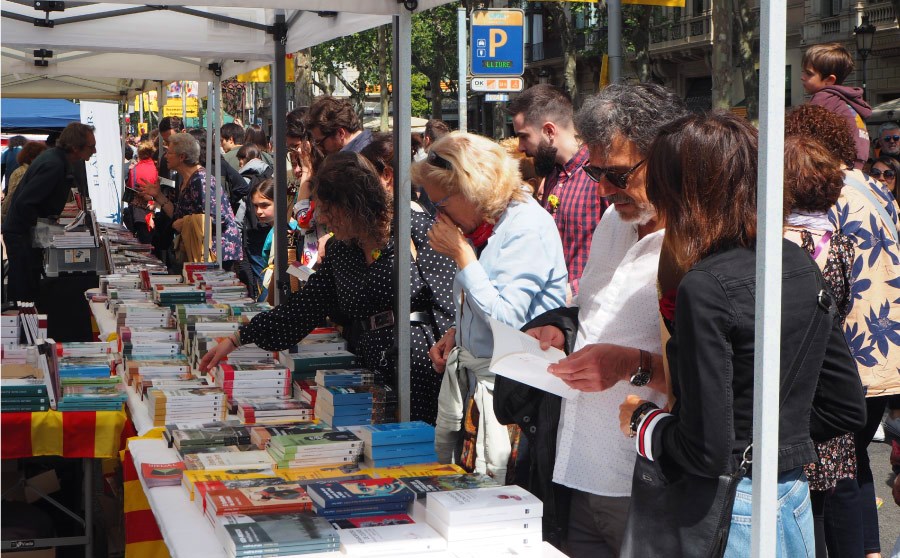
<point x="388" y="176"/>
<point x="549" y="131"/>
<point x="830" y="79"/>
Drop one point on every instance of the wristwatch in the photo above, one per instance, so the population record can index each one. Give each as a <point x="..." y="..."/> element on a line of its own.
<point x="642" y="375"/>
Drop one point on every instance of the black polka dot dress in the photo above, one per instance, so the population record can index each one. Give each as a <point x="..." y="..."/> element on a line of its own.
<point x="349" y="291"/>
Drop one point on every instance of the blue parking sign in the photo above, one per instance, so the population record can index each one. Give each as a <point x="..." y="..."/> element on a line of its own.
<point x="498" y="43"/>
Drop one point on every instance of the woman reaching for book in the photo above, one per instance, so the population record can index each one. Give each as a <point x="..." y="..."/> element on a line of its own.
<point x="355" y="285"/>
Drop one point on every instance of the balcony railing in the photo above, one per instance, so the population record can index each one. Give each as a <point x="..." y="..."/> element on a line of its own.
<point x="546" y="50"/>
<point x="881" y="15"/>
<point x="685" y="32"/>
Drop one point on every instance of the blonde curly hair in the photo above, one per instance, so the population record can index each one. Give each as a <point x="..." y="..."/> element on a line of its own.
<point x="480" y="170"/>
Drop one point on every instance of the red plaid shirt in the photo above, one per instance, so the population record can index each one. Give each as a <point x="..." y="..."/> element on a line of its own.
<point x="577" y="212"/>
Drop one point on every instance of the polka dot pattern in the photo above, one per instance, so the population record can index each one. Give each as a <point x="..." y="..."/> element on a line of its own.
<point x="347" y="290"/>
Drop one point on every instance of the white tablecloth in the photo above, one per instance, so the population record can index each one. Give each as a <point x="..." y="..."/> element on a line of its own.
<point x="187" y="533"/>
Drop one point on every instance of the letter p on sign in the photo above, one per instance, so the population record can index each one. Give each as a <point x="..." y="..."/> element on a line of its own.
<point x="498" y="38"/>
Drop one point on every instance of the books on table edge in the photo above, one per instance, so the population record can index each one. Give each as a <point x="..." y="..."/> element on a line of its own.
<point x="467" y="507"/>
<point x="424" y="485"/>
<point x="162" y="474"/>
<point x="271" y="498"/>
<point x="282" y="533"/>
<point x="527" y="529"/>
<point x="391" y="540"/>
<point x="371" y="492"/>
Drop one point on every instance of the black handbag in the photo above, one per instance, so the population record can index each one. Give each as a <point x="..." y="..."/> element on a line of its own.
<point x="689" y="516"/>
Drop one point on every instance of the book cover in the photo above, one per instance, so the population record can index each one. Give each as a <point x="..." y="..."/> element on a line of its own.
<point x="345" y="512"/>
<point x="202" y="488"/>
<point x="466" y="507"/>
<point x="329" y="494"/>
<point x="191" y="478"/>
<point x="230" y="461"/>
<point x="490" y="530"/>
<point x="396" y="433"/>
<point x="372" y="521"/>
<point x="422" y="449"/>
<point x="407" y="460"/>
<point x="162" y="474"/>
<point x="341" y="438"/>
<point x="344" y="395"/>
<point x="278" y="532"/>
<point x="416" y="470"/>
<point x="390" y="540"/>
<point x="273" y="498"/>
<point x="442" y="483"/>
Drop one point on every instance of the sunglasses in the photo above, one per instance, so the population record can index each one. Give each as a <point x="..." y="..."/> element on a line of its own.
<point x="318" y="143"/>
<point x="876" y="173"/>
<point x="891" y="138"/>
<point x="617" y="179"/>
<point x="437" y="161"/>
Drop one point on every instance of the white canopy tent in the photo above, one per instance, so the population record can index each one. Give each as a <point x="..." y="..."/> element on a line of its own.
<point x="204" y="43"/>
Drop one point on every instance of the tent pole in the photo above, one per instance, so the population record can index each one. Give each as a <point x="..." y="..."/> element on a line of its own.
<point x="770" y="202"/>
<point x="280" y="282"/>
<point x="402" y="196"/>
<point x="462" y="52"/>
<point x="124" y="133"/>
<point x="207" y="221"/>
<point x="217" y="85"/>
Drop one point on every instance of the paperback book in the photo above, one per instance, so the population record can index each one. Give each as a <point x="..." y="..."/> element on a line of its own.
<point x="328" y="495"/>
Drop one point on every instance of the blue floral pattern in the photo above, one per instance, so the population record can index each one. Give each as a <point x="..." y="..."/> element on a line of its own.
<point x="872" y="327"/>
<point x="191" y="201"/>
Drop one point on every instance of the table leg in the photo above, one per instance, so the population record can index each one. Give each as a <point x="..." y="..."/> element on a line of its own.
<point x="89" y="507"/>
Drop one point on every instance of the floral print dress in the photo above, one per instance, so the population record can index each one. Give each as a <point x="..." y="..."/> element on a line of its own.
<point x="191" y="201"/>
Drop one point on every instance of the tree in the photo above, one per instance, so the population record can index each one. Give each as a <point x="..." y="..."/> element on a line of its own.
<point x="303" y="78"/>
<point x="434" y="40"/>
<point x="746" y="22"/>
<point x="722" y="17"/>
<point x="559" y="15"/>
<point x="636" y="36"/>
<point x="359" y="51"/>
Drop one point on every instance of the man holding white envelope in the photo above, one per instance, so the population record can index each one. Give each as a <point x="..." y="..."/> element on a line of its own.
<point x="612" y="336"/>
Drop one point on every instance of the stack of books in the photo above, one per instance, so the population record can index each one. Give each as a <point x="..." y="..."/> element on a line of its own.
<point x="314" y="449"/>
<point x="400" y="443"/>
<point x="278" y="497"/>
<point x="186" y="405"/>
<point x="186" y="439"/>
<point x="341" y="499"/>
<point x="22" y="387"/>
<point x="344" y="405"/>
<point x="142" y="314"/>
<point x="273" y="410"/>
<point x="306" y="364"/>
<point x="229" y="458"/>
<point x="287" y="534"/>
<point x="261" y="435"/>
<point x="241" y="380"/>
<point x="490" y="519"/>
<point x="139" y="367"/>
<point x="172" y="295"/>
<point x="109" y="395"/>
<point x="424" y="485"/>
<point x="389" y="536"/>
<point x="9" y="328"/>
<point x="162" y="474"/>
<point x="345" y="377"/>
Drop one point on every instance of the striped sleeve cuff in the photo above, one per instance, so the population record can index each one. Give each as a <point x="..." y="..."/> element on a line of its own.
<point x="644" y="437"/>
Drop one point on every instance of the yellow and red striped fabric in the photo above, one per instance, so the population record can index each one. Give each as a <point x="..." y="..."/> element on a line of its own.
<point x="142" y="536"/>
<point x="72" y="434"/>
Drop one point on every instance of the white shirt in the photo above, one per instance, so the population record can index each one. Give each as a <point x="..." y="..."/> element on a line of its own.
<point x="618" y="304"/>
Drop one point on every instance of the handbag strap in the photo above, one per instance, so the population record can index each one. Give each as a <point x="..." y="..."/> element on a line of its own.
<point x="824" y="306"/>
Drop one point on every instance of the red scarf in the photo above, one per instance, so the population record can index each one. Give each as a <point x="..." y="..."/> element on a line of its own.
<point x="667" y="304"/>
<point x="480" y="235"/>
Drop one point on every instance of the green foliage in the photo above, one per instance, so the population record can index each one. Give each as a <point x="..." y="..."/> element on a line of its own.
<point x="421" y="106"/>
<point x="434" y="42"/>
<point x="359" y="51"/>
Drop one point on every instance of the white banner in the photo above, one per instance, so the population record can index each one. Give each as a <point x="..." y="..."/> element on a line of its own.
<point x="104" y="170"/>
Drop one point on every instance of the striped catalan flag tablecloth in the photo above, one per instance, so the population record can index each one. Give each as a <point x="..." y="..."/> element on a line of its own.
<point x="71" y="434"/>
<point x="142" y="536"/>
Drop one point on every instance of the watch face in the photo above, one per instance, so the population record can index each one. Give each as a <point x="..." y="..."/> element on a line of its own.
<point x="640" y="378"/>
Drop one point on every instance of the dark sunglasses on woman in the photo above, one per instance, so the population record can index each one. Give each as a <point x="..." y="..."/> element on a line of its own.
<point x="876" y="173"/>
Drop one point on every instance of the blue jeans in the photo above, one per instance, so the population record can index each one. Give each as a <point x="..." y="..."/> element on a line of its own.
<point x="796" y="535"/>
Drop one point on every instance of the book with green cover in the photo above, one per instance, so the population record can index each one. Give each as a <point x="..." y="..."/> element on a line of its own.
<point x="342" y="438"/>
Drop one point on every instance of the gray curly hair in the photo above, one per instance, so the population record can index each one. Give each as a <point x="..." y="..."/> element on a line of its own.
<point x="634" y="112"/>
<point x="185" y="145"/>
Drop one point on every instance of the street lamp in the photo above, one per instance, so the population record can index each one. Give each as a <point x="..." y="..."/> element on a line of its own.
<point x="543" y="76"/>
<point x="865" y="36"/>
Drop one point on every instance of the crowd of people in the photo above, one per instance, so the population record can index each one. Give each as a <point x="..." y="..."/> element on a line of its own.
<point x="624" y="234"/>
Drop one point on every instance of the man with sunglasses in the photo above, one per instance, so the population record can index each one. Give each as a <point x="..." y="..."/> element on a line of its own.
<point x="612" y="336"/>
<point x="335" y="126"/>
<point x="889" y="138"/>
<point x="542" y="119"/>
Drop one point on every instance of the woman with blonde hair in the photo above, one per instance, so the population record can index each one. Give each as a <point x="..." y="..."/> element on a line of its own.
<point x="510" y="268"/>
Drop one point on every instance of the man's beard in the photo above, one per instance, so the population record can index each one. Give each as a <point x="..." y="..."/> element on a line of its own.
<point x="544" y="159"/>
<point x="892" y="150"/>
<point x="645" y="211"/>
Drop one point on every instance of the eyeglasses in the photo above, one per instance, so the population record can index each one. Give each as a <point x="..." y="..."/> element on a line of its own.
<point x="436" y="160"/>
<point x="439" y="205"/>
<point x="318" y="143"/>
<point x="877" y="173"/>
<point x="895" y="137"/>
<point x="617" y="179"/>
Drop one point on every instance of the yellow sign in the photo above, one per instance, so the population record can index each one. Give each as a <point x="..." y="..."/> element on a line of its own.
<point x="264" y="74"/>
<point x="149" y="102"/>
<point x="498" y="17"/>
<point x="143" y="128"/>
<point x="173" y="108"/>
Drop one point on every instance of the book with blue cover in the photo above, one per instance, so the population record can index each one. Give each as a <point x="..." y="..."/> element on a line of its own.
<point x="399" y="450"/>
<point x="344" y="395"/>
<point x="366" y="492"/>
<point x="396" y="433"/>
<point x="294" y="533"/>
<point x="361" y="510"/>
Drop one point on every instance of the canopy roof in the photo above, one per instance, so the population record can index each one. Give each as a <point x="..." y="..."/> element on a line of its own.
<point x="39" y="114"/>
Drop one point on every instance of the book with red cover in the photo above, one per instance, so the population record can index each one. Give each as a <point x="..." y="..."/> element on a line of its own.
<point x="272" y="498"/>
<point x="162" y="474"/>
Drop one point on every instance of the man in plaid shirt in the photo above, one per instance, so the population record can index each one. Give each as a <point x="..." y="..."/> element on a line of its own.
<point x="542" y="119"/>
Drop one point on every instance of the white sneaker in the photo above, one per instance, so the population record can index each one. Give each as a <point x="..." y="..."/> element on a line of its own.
<point x="879" y="434"/>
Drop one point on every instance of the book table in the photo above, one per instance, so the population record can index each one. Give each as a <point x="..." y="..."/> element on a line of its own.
<point x="85" y="435"/>
<point x="187" y="533"/>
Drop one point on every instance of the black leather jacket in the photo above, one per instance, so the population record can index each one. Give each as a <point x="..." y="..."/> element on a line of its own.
<point x="711" y="356"/>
